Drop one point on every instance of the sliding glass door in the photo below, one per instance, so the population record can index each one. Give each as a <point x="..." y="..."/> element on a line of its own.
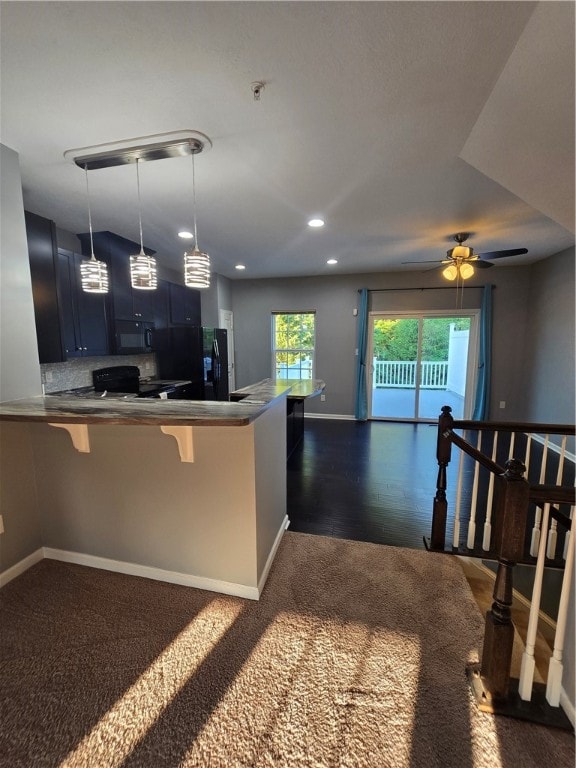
<point x="420" y="362"/>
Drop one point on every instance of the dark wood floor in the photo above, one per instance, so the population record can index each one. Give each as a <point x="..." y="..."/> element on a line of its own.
<point x="369" y="481"/>
<point x="375" y="481"/>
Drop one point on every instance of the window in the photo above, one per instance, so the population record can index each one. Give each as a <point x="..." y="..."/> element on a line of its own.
<point x="293" y="335"/>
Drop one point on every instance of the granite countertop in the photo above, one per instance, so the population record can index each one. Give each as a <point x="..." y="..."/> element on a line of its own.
<point x="298" y="389"/>
<point x="74" y="410"/>
<point x="64" y="409"/>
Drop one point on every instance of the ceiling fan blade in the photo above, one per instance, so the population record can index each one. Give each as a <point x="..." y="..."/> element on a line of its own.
<point x="501" y="254"/>
<point x="482" y="264"/>
<point x="433" y="261"/>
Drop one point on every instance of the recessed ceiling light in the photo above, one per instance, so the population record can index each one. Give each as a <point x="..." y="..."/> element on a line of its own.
<point x="316" y="223"/>
<point x="240" y="266"/>
<point x="185" y="235"/>
<point x="332" y="261"/>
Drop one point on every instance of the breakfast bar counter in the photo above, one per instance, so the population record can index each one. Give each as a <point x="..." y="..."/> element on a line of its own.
<point x="190" y="492"/>
<point x="70" y="409"/>
<point x="297" y="392"/>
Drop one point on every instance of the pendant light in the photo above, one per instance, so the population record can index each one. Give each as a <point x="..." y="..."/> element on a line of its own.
<point x="143" y="273"/>
<point x="93" y="273"/>
<point x="196" y="263"/>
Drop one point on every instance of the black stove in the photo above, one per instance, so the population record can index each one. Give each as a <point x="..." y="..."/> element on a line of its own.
<point x="125" y="380"/>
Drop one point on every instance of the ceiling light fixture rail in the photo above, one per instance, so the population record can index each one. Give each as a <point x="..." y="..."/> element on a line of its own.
<point x="144" y="148"/>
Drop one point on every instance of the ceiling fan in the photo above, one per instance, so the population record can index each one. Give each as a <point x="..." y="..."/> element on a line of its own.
<point x="461" y="260"/>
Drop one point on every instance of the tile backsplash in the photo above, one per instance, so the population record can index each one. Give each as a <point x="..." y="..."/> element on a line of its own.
<point x="78" y="372"/>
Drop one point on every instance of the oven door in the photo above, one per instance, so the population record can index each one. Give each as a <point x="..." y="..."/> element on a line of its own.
<point x="133" y="336"/>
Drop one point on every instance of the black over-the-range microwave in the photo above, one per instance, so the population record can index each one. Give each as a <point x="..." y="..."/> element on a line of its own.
<point x="133" y="336"/>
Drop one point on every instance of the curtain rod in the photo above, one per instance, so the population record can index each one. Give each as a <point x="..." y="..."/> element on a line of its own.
<point x="439" y="288"/>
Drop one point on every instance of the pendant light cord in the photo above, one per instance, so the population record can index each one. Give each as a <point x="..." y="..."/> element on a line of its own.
<point x="194" y="197"/>
<point x="93" y="258"/>
<point x="139" y="208"/>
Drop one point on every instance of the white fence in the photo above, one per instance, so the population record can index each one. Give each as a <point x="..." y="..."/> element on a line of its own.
<point x="402" y="374"/>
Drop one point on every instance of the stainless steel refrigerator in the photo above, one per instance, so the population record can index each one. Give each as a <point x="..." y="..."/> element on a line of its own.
<point x="195" y="354"/>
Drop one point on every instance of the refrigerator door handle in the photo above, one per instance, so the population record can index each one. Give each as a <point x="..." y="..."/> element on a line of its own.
<point x="215" y="367"/>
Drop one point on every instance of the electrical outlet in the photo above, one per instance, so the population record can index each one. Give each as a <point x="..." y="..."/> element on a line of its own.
<point x="502" y="403"/>
<point x="49" y="377"/>
<point x="323" y="398"/>
<point x="1" y="524"/>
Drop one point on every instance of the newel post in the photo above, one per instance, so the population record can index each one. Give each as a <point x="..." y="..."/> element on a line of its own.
<point x="443" y="454"/>
<point x="512" y="493"/>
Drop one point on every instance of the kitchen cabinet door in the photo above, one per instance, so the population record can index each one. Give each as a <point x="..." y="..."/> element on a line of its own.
<point x="84" y="315"/>
<point x="72" y="346"/>
<point x="184" y="305"/>
<point x="161" y="304"/>
<point x="42" y="254"/>
<point x="92" y="316"/>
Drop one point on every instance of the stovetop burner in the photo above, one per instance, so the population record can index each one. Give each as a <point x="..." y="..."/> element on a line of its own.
<point x="117" y="378"/>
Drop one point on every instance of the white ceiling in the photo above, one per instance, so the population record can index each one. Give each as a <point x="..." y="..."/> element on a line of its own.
<point x="400" y="123"/>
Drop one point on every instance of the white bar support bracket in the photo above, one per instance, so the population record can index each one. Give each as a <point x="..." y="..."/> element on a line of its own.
<point x="78" y="434"/>
<point x="184" y="438"/>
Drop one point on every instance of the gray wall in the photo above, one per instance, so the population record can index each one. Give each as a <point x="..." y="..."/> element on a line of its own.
<point x="334" y="299"/>
<point x="19" y="370"/>
<point x="549" y="370"/>
<point x="215" y="298"/>
<point x="549" y="378"/>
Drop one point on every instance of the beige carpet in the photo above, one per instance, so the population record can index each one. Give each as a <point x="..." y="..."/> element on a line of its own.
<point x="354" y="656"/>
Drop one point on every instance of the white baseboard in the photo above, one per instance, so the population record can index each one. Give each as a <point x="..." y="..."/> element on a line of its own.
<point x="23" y="565"/>
<point x="568" y="707"/>
<point x="272" y="555"/>
<point x="341" y="416"/>
<point x="150" y="572"/>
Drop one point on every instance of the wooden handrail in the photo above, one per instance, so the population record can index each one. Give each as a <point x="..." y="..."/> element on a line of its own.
<point x="553" y="494"/>
<point x="505" y="531"/>
<point x="515" y="426"/>
<point x="474" y="452"/>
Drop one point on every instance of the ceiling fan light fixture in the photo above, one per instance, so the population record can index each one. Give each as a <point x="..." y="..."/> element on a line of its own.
<point x="451" y="272"/>
<point x="466" y="270"/>
<point x="460" y="252"/>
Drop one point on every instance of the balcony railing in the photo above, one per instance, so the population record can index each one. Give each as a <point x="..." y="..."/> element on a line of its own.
<point x="402" y="374"/>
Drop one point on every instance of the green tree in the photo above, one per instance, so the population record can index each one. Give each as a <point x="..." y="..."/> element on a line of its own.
<point x="293" y="332"/>
<point x="398" y="339"/>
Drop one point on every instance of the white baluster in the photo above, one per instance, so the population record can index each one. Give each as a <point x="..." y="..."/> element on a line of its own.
<point x="528" y="662"/>
<point x="488" y="523"/>
<point x="538" y="517"/>
<point x="556" y="667"/>
<point x="472" y="523"/>
<point x="456" y="534"/>
<point x="553" y="533"/>
<point x="568" y="536"/>
<point x="511" y="449"/>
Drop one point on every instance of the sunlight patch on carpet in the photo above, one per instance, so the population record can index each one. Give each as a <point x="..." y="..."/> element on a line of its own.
<point x="128" y="721"/>
<point x="328" y="683"/>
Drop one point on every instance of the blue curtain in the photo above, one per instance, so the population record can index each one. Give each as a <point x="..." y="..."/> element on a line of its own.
<point x="361" y="404"/>
<point x="482" y="399"/>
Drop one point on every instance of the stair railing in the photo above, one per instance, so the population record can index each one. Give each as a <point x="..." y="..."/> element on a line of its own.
<point x="508" y="498"/>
